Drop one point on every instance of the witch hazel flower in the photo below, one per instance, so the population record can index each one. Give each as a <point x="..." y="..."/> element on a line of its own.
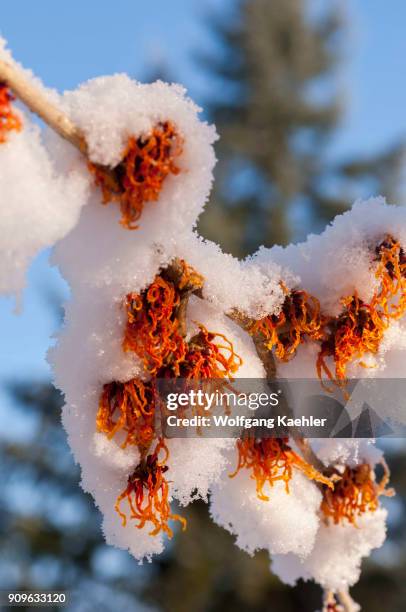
<point x="147" y="493"/>
<point x="355" y="492"/>
<point x="148" y="150"/>
<point x="272" y="460"/>
<point x="140" y="175"/>
<point x="9" y="119"/>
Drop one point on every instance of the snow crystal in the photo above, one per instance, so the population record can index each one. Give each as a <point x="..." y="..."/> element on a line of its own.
<point x="195" y="465"/>
<point x="344" y="451"/>
<point x="339" y="263"/>
<point x="231" y="284"/>
<point x="113" y="455"/>
<point x="89" y="350"/>
<point x="38" y="206"/>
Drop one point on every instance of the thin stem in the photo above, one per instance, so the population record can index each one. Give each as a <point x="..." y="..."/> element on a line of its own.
<point x="39" y="104"/>
<point x="329" y="601"/>
<point x="347" y="602"/>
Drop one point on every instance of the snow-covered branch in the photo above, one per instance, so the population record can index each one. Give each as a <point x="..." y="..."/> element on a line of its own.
<point x="35" y="100"/>
<point x="153" y="300"/>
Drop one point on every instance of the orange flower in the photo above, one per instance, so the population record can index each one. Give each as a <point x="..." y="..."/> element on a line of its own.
<point x="355" y="493"/>
<point x="139" y="178"/>
<point x="360" y="327"/>
<point x="128" y="407"/>
<point x="272" y="459"/>
<point x="147" y="494"/>
<point x="9" y="120"/>
<point x="391" y="296"/>
<point x="204" y="357"/>
<point x="299" y="318"/>
<point x="152" y="330"/>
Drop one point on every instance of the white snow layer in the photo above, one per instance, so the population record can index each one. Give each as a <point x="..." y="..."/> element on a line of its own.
<point x="335" y="561"/>
<point x="288" y="522"/>
<point x="339" y="261"/>
<point x="37" y="206"/>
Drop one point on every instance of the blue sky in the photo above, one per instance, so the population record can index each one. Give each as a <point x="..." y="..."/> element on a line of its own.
<point x="67" y="43"/>
<point x="374" y="76"/>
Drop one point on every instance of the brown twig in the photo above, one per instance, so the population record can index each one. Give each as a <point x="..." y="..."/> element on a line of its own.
<point x="39" y="104"/>
<point x="341" y="601"/>
<point x="347" y="602"/>
<point x="174" y="272"/>
<point x="330" y="602"/>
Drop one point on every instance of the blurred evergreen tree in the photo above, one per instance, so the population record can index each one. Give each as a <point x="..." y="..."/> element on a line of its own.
<point x="275" y="103"/>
